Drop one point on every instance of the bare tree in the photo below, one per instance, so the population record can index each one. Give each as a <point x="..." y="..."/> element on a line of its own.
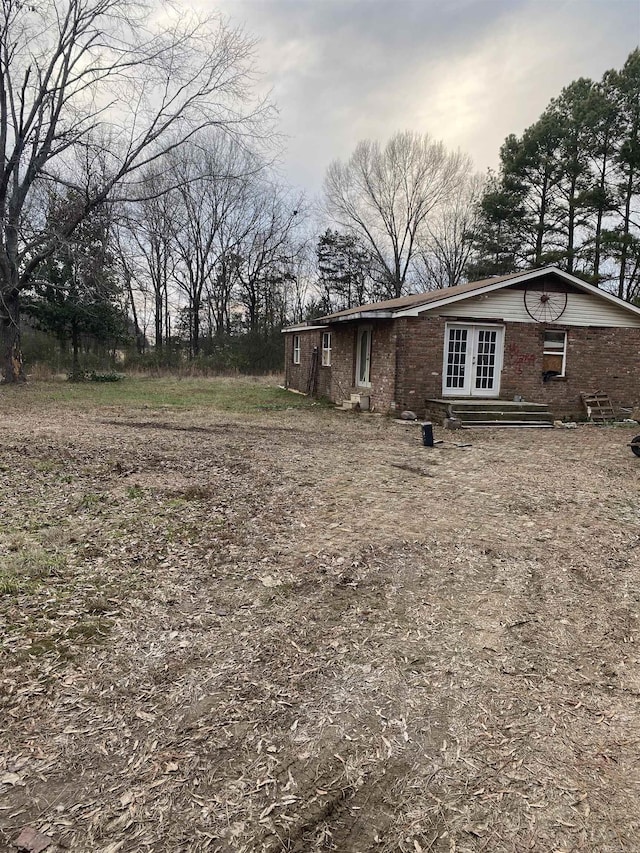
<point x="149" y="254"/>
<point x="300" y="293"/>
<point x="213" y="229"/>
<point x="447" y="242"/>
<point x="267" y="252"/>
<point x="100" y="81"/>
<point x="213" y="181"/>
<point x="385" y="196"/>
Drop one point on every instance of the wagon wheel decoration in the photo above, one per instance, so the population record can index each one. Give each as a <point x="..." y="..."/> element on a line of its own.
<point x="543" y="305"/>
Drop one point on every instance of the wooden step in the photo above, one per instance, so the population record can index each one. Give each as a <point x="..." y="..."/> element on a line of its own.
<point x="468" y="424"/>
<point x="497" y="405"/>
<point x="501" y="415"/>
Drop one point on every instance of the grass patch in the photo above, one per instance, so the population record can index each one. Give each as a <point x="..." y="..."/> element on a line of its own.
<point x="226" y="394"/>
<point x="23" y="572"/>
<point x="66" y="644"/>
<point x="91" y="500"/>
<point x="93" y="630"/>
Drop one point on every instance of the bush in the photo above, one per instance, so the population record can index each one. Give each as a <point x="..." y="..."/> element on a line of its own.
<point x="249" y="353"/>
<point x="93" y="376"/>
<point x="112" y="376"/>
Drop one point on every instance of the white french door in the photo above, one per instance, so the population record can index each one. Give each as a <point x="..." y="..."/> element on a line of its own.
<point x="472" y="360"/>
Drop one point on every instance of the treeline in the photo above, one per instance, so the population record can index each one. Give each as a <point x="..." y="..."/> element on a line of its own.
<point x="138" y="205"/>
<point x="143" y="218"/>
<point x="568" y="190"/>
<point x="204" y="265"/>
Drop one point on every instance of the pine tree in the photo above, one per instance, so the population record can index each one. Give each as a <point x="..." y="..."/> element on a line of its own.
<point x="576" y="139"/>
<point x="344" y="271"/>
<point x="497" y="240"/>
<point x="623" y="239"/>
<point x="567" y="190"/>
<point x="76" y="295"/>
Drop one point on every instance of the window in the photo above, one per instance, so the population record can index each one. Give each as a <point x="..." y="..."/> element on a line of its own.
<point x="296" y="349"/>
<point x="555" y="354"/>
<point x="326" y="349"/>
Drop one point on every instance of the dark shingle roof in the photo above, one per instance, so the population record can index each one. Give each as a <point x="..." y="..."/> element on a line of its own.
<point x="417" y="299"/>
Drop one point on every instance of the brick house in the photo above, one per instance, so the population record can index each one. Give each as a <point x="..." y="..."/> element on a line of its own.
<point x="542" y="335"/>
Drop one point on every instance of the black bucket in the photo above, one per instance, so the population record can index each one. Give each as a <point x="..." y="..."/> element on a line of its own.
<point x="427" y="434"/>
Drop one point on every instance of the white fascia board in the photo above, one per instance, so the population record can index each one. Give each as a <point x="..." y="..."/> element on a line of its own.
<point x="362" y="315"/>
<point x="301" y="329"/>
<point x="571" y="279"/>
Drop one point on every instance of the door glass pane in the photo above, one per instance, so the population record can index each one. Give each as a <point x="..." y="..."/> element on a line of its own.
<point x="363" y="361"/>
<point x="486" y="358"/>
<point x="456" y="358"/>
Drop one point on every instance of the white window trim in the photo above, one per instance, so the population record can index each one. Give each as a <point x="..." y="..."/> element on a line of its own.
<point x="326" y="349"/>
<point x="556" y="350"/>
<point x="296" y="349"/>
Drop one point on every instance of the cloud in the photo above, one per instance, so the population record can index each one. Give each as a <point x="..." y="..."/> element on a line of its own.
<point x="468" y="71"/>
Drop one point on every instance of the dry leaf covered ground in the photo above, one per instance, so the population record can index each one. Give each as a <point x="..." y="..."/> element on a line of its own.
<point x="261" y="629"/>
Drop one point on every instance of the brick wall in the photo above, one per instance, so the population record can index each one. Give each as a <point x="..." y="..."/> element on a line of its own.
<point x="297" y="375"/>
<point x="420" y="353"/>
<point x="343" y="348"/>
<point x="407" y="355"/>
<point x="598" y="359"/>
<point x="382" y="367"/>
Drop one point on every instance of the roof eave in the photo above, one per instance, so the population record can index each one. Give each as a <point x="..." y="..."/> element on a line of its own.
<point x="301" y="327"/>
<point x="360" y="315"/>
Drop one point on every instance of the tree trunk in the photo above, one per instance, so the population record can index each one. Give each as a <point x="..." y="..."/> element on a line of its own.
<point x="541" y="224"/>
<point x="195" y="328"/>
<point x="626" y="230"/>
<point x="75" y="348"/>
<point x="134" y="313"/>
<point x="571" y="223"/>
<point x="12" y="366"/>
<point x="158" y="318"/>
<point x="602" y="189"/>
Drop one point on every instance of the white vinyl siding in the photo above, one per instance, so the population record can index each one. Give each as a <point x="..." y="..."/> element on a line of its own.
<point x="582" y="309"/>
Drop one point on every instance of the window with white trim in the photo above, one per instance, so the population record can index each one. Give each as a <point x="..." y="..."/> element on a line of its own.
<point x="554" y="360"/>
<point x="326" y="349"/>
<point x="296" y="349"/>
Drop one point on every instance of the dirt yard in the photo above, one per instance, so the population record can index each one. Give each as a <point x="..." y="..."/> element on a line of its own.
<point x="300" y="630"/>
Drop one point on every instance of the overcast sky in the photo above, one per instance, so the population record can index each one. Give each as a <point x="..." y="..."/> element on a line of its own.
<point x="468" y="72"/>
